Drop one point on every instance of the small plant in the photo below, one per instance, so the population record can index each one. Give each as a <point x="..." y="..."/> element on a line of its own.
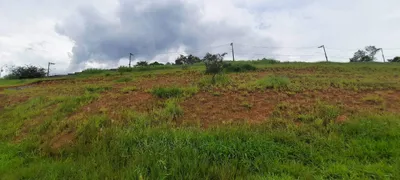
<point x="97" y="89"/>
<point x="124" y="80"/>
<point x="373" y="99"/>
<point x="273" y="82"/>
<point x="247" y="105"/>
<point x="129" y="89"/>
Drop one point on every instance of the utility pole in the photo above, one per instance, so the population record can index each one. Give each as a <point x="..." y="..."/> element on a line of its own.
<point x="326" y="56"/>
<point x="233" y="52"/>
<point x="383" y="55"/>
<point x="130" y="59"/>
<point x="48" y="68"/>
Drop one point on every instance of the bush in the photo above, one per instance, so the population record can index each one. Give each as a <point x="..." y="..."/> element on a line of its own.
<point x="396" y="59"/>
<point x="273" y="82"/>
<point x="214" y="64"/>
<point x="268" y="61"/>
<point x="239" y="68"/>
<point x="26" y="72"/>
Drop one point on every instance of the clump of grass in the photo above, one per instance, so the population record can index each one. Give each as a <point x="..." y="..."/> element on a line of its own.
<point x="172" y="108"/>
<point x="221" y="80"/>
<point x="374" y="99"/>
<point x="129" y="89"/>
<point x="247" y="105"/>
<point x="124" y="80"/>
<point x="174" y="92"/>
<point x="273" y="82"/>
<point x="97" y="89"/>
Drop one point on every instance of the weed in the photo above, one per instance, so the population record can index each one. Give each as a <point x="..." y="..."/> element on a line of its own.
<point x="221" y="80"/>
<point x="172" y="108"/>
<point x="173" y="92"/>
<point x="129" y="89"/>
<point x="374" y="99"/>
<point x="97" y="89"/>
<point x="124" y="80"/>
<point x="247" y="105"/>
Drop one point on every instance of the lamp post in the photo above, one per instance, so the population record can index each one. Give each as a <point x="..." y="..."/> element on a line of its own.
<point x="326" y="56"/>
<point x="48" y="68"/>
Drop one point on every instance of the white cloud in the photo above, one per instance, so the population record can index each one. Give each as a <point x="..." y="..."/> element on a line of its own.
<point x="28" y="35"/>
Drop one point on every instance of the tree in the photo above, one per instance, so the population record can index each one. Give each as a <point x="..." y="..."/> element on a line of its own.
<point x="214" y="64"/>
<point x="26" y="72"/>
<point x="181" y="60"/>
<point x="396" y="59"/>
<point x="156" y="64"/>
<point x="367" y="55"/>
<point x="141" y="64"/>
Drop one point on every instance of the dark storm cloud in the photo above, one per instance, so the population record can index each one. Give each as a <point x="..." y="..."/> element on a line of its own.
<point x="146" y="29"/>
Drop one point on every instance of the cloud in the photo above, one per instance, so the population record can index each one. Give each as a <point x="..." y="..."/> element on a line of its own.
<point x="151" y="28"/>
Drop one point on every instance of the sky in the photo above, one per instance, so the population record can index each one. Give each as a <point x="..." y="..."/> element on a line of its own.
<point x="76" y="34"/>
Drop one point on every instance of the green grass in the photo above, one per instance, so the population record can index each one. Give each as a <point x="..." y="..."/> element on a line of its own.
<point x="364" y="148"/>
<point x="173" y="92"/>
<point x="129" y="89"/>
<point x="273" y="82"/>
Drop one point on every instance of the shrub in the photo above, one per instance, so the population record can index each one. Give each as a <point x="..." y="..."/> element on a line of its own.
<point x="156" y="64"/>
<point x="396" y="59"/>
<point x="268" y="61"/>
<point x="214" y="64"/>
<point x="273" y="82"/>
<point x="141" y="64"/>
<point x="239" y="68"/>
<point x="26" y="72"/>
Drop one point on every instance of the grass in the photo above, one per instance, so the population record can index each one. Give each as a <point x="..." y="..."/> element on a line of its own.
<point x="322" y="121"/>
<point x="129" y="89"/>
<point x="273" y="82"/>
<point x="365" y="148"/>
<point x="97" y="89"/>
<point x="173" y="92"/>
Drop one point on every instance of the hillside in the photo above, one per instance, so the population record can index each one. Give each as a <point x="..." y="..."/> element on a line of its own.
<point x="280" y="121"/>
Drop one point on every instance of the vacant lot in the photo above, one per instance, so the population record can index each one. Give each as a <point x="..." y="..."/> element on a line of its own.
<point x="280" y="121"/>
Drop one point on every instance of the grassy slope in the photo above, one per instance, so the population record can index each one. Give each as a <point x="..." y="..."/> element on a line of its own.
<point x="152" y="145"/>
